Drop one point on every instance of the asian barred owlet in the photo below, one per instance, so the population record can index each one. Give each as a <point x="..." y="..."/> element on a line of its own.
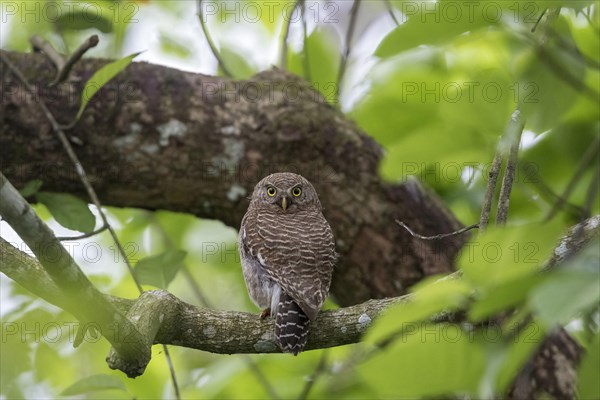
<point x="288" y="254"/>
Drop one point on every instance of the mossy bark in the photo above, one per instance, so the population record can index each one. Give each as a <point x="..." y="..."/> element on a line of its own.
<point x="158" y="138"/>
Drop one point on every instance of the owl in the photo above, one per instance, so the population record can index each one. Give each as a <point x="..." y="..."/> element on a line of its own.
<point x="288" y="253"/>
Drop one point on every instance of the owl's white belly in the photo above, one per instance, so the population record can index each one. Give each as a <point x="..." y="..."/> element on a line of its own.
<point x="263" y="291"/>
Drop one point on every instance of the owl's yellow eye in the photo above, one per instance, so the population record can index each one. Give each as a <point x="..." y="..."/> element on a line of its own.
<point x="271" y="191"/>
<point x="296" y="191"/>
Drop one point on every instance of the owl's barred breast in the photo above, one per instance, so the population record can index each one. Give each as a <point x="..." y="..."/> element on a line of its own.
<point x="299" y="249"/>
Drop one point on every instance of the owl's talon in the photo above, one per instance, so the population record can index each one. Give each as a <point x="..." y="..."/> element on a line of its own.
<point x="265" y="313"/>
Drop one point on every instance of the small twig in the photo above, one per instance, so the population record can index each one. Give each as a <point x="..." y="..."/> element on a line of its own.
<point x="591" y="194"/>
<point x="63" y="66"/>
<point x="54" y="56"/>
<point x="436" y="237"/>
<point x="262" y="379"/>
<point x="348" y="47"/>
<point x="211" y="44"/>
<point x="321" y="367"/>
<point x="286" y="33"/>
<point x="84" y="236"/>
<point x="538" y="20"/>
<point x="305" y="59"/>
<point x="565" y="75"/>
<point x="172" y="372"/>
<point x="542" y="188"/>
<point x="63" y="73"/>
<point x="168" y="243"/>
<point x="514" y="132"/>
<point x="490" y="190"/>
<point x="391" y="12"/>
<point x="589" y="155"/>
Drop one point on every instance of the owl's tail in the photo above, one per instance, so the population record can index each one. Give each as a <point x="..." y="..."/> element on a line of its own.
<point x="291" y="326"/>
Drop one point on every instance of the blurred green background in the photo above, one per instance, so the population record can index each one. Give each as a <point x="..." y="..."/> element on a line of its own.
<point x="435" y="83"/>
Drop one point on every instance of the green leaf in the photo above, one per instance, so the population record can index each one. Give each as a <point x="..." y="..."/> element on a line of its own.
<point x="549" y="76"/>
<point x="525" y="340"/>
<point x="566" y="294"/>
<point x="322" y="48"/>
<point x="80" y="19"/>
<point x="429" y="299"/>
<point x="431" y="24"/>
<point x="171" y="45"/>
<point x="69" y="211"/>
<point x="588" y="383"/>
<point x="569" y="291"/>
<point x="504" y="254"/>
<point x="101" y="78"/>
<point x="47" y="354"/>
<point x="236" y="64"/>
<point x="95" y="383"/>
<point x="558" y="152"/>
<point x="435" y="360"/>
<point x="31" y="188"/>
<point x="159" y="270"/>
<point x="419" y="98"/>
<point x="501" y="297"/>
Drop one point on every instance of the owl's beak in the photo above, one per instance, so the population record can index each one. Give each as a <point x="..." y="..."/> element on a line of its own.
<point x="284" y="203"/>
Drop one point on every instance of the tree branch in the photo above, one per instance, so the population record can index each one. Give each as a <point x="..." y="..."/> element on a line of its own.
<point x="63" y="66"/>
<point x="283" y="52"/>
<point x="575" y="240"/>
<point x="211" y="43"/>
<point x="441" y="235"/>
<point x="163" y="318"/>
<point x="490" y="190"/>
<point x="347" y="47"/>
<point x="513" y="137"/>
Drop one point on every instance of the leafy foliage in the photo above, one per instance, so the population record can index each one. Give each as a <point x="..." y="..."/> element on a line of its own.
<point x="68" y="210"/>
<point x="159" y="270"/>
<point x="31" y="188"/>
<point x="322" y="48"/>
<point x="101" y="78"/>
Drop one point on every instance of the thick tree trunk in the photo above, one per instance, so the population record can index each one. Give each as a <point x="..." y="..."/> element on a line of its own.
<point x="158" y="138"/>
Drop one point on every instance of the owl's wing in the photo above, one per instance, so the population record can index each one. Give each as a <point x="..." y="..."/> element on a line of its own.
<point x="297" y="253"/>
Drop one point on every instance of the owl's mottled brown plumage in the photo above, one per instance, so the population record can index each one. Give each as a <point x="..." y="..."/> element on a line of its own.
<point x="288" y="254"/>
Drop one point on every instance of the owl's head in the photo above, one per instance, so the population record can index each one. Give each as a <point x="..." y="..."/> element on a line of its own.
<point x="287" y="191"/>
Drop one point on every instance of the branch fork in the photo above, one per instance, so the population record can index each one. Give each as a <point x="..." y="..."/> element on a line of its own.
<point x="63" y="64"/>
